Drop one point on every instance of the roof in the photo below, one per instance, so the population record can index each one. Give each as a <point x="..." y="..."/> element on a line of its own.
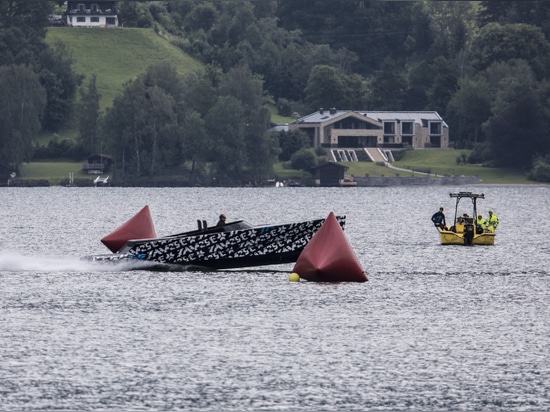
<point x="100" y="155"/>
<point x="330" y="164"/>
<point x="323" y="116"/>
<point x="416" y="116"/>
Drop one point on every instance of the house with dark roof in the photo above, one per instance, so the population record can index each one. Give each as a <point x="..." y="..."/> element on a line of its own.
<point x="97" y="164"/>
<point x="94" y="13"/>
<point x="349" y="129"/>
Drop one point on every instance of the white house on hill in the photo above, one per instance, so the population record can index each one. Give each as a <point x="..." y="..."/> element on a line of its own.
<point x="95" y="13"/>
<point x="370" y="129"/>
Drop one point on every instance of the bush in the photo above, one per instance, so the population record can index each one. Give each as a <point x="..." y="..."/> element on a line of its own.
<point x="462" y="159"/>
<point x="480" y="154"/>
<point x="284" y="107"/>
<point x="54" y="150"/>
<point x="290" y="142"/>
<point x="304" y="159"/>
<point x="540" y="171"/>
<point x="319" y="151"/>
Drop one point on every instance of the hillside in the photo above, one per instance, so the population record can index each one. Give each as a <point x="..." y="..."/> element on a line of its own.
<point x="118" y="55"/>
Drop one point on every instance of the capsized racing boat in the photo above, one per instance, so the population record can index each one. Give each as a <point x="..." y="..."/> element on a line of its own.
<point x="233" y="245"/>
<point x="464" y="230"/>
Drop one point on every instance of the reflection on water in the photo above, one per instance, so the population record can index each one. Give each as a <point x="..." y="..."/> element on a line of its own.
<point x="438" y="328"/>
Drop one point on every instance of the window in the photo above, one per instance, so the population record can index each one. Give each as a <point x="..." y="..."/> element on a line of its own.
<point x="94" y="19"/>
<point x="111" y="21"/>
<point x="81" y="19"/>
<point x="435" y="128"/>
<point x="81" y="7"/>
<point x="407" y="128"/>
<point x="389" y="127"/>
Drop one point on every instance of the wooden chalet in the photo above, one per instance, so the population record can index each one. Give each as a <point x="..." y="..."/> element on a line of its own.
<point x="97" y="164"/>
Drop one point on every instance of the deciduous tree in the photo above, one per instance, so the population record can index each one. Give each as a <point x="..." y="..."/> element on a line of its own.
<point x="22" y="100"/>
<point x="224" y="124"/>
<point x="89" y="118"/>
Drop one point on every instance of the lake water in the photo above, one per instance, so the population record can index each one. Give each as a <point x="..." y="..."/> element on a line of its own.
<point x="435" y="328"/>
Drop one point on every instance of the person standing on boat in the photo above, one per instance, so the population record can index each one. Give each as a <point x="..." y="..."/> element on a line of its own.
<point x="221" y="222"/>
<point x="492" y="221"/>
<point x="438" y="218"/>
<point x="480" y="223"/>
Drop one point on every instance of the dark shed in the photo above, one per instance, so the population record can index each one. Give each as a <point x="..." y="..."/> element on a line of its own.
<point x="329" y="174"/>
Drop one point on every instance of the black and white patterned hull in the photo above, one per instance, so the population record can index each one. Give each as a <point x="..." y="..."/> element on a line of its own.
<point x="265" y="245"/>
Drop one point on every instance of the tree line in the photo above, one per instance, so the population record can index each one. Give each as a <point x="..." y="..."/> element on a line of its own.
<point x="484" y="66"/>
<point x="163" y="119"/>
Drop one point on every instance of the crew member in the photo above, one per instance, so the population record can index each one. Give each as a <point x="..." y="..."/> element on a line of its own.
<point x="221" y="222"/>
<point x="480" y="223"/>
<point x="492" y="221"/>
<point x="438" y="218"/>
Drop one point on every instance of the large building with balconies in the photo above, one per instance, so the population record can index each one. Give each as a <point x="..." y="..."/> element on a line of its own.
<point x="347" y="129"/>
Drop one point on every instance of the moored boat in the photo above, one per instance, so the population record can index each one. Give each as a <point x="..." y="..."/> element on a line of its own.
<point x="464" y="230"/>
<point x="233" y="245"/>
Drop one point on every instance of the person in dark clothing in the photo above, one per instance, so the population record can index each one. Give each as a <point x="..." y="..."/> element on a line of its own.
<point x="438" y="218"/>
<point x="221" y="222"/>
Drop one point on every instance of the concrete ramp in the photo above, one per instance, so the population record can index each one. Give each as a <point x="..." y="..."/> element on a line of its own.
<point x="376" y="155"/>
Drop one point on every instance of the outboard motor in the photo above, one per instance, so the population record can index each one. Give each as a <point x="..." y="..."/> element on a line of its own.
<point x="468" y="234"/>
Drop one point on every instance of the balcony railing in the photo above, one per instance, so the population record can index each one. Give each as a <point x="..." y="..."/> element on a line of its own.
<point x="89" y="11"/>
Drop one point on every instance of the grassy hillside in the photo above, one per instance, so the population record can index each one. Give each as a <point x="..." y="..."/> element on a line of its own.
<point x="118" y="55"/>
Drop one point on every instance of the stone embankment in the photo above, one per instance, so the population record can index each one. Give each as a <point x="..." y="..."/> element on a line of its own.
<point x="374" y="181"/>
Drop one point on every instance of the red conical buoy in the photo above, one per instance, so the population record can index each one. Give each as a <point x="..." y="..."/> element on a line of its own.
<point x="328" y="257"/>
<point x="138" y="227"/>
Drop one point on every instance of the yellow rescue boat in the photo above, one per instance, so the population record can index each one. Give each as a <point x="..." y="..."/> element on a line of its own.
<point x="464" y="230"/>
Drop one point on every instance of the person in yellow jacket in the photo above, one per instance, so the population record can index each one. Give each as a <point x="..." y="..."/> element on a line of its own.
<point x="480" y="223"/>
<point x="492" y="221"/>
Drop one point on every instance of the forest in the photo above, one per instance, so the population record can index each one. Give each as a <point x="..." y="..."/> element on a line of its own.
<point x="484" y="66"/>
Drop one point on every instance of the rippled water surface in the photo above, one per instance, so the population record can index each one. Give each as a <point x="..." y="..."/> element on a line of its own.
<point x="435" y="328"/>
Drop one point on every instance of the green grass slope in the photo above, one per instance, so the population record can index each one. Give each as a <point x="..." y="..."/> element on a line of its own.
<point x="440" y="162"/>
<point x="118" y="55"/>
<point x="443" y="162"/>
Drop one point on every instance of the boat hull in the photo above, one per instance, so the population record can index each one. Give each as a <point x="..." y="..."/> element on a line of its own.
<point x="451" y="238"/>
<point x="465" y="229"/>
<point x="258" y="246"/>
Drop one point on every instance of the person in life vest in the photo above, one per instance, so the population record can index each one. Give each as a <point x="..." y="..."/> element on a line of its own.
<point x="480" y="223"/>
<point x="492" y="221"/>
<point x="438" y="218"/>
